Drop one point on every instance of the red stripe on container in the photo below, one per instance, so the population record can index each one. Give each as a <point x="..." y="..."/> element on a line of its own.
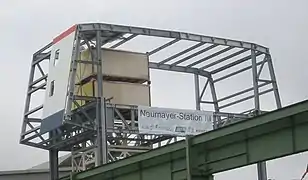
<point x="64" y="34"/>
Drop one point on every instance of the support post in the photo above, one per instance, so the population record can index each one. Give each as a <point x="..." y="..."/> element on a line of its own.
<point x="217" y="120"/>
<point x="192" y="173"/>
<point x="188" y="158"/>
<point x="28" y="98"/>
<point x="255" y="81"/>
<point x="100" y="108"/>
<point x="53" y="161"/>
<point x="197" y="91"/>
<point x="75" y="58"/>
<point x="274" y="82"/>
<point x="261" y="166"/>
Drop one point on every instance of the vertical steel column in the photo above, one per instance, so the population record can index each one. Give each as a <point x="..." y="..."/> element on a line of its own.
<point x="274" y="82"/>
<point x="189" y="154"/>
<point x="189" y="161"/>
<point x="28" y="98"/>
<point x="261" y="166"/>
<point x="255" y="81"/>
<point x="72" y="77"/>
<point x="53" y="160"/>
<point x="214" y="95"/>
<point x="53" y="163"/>
<point x="197" y="92"/>
<point x="217" y="120"/>
<point x="102" y="151"/>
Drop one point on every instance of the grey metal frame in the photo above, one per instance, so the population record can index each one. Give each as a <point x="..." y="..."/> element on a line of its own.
<point x="82" y="134"/>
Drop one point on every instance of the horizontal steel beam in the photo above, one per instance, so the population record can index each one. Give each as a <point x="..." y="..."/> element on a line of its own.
<point x="34" y="110"/>
<point x="182" y="69"/>
<point x="246" y="98"/>
<point x="129" y="147"/>
<point x="127" y="150"/>
<point x="163" y="47"/>
<point x="170" y="34"/>
<point x="31" y="131"/>
<point x="40" y="58"/>
<point x="210" y="56"/>
<point x="124" y="41"/>
<point x="34" y="120"/>
<point x="234" y="73"/>
<point x="39" y="80"/>
<point x="40" y="51"/>
<point x="73" y="140"/>
<point x="42" y="86"/>
<point x="244" y="59"/>
<point x="241" y="92"/>
<point x="181" y="53"/>
<point x="224" y="58"/>
<point x="34" y="145"/>
<point x="194" y="54"/>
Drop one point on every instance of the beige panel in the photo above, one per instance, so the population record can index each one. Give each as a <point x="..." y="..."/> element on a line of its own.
<point x="125" y="64"/>
<point x="116" y="63"/>
<point x="127" y="93"/>
<point x="121" y="93"/>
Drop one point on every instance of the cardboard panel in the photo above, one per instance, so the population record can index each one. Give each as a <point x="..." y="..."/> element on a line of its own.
<point x="121" y="64"/>
<point x="120" y="92"/>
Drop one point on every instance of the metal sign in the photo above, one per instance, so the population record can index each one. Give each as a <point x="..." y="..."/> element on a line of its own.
<point x="165" y="121"/>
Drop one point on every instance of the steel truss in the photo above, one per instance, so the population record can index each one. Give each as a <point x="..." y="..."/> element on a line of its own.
<point x="84" y="131"/>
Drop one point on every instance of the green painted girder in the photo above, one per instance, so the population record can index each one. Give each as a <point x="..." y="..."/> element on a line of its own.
<point x="272" y="135"/>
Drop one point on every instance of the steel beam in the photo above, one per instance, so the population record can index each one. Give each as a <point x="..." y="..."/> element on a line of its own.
<point x="53" y="162"/>
<point x="203" y="90"/>
<point x="124" y="41"/>
<point x="169" y="34"/>
<point x="73" y="72"/>
<point x="224" y="58"/>
<point x="217" y="120"/>
<point x="163" y="47"/>
<point x="102" y="153"/>
<point x="261" y="166"/>
<point x="194" y="54"/>
<point x="235" y="73"/>
<point x="244" y="59"/>
<point x="181" y="69"/>
<point x="241" y="92"/>
<point x="197" y="92"/>
<point x="274" y="82"/>
<point x="41" y="58"/>
<point x="210" y="56"/>
<point x="40" y="51"/>
<point x="39" y="80"/>
<point x="245" y="99"/>
<point x="181" y="53"/>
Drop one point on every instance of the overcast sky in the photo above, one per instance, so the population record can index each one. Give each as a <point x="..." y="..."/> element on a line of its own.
<point x="28" y="25"/>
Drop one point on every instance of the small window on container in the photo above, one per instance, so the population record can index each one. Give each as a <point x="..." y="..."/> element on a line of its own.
<point x="52" y="88"/>
<point x="57" y="57"/>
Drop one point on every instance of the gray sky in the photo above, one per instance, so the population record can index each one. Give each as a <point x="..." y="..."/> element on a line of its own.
<point x="27" y="25"/>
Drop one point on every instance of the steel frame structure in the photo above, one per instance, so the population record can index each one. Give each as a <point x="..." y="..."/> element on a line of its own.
<point x="84" y="131"/>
